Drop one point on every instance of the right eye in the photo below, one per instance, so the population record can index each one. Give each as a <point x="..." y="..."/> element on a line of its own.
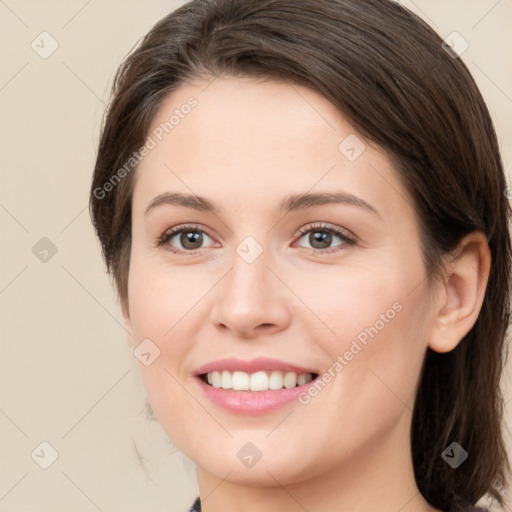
<point x="190" y="239"/>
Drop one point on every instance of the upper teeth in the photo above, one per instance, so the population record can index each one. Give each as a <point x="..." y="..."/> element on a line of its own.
<point x="259" y="381"/>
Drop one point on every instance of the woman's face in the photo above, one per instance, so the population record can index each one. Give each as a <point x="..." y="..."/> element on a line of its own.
<point x="331" y="285"/>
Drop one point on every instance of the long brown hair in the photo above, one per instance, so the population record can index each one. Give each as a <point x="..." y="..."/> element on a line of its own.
<point x="387" y="72"/>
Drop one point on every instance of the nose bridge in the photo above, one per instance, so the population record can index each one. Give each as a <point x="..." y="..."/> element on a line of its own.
<point x="249" y="277"/>
<point x="250" y="296"/>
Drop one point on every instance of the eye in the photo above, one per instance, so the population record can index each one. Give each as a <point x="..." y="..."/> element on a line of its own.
<point x="191" y="238"/>
<point x="320" y="237"/>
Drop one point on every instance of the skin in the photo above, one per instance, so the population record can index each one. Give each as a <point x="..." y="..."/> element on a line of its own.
<point x="246" y="146"/>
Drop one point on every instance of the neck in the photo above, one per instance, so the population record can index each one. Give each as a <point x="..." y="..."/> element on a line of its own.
<point x="379" y="478"/>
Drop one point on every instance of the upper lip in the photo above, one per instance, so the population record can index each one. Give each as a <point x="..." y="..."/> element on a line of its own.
<point x="251" y="366"/>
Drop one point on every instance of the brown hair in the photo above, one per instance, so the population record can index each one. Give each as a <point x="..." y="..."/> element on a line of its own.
<point x="387" y="72"/>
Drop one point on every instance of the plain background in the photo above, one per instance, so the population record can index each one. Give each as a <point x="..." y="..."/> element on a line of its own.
<point x="67" y="376"/>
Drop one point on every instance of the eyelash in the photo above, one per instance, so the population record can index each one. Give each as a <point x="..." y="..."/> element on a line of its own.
<point x="347" y="238"/>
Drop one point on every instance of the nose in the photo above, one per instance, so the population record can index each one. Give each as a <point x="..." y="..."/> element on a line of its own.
<point x="251" y="300"/>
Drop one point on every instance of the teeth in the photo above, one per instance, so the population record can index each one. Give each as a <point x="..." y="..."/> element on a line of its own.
<point x="258" y="381"/>
<point x="216" y="379"/>
<point x="240" y="380"/>
<point x="290" y="380"/>
<point x="276" y="380"/>
<point x="303" y="379"/>
<point x="226" y="381"/>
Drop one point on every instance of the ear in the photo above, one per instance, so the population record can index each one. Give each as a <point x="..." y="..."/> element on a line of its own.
<point x="127" y="322"/>
<point x="462" y="291"/>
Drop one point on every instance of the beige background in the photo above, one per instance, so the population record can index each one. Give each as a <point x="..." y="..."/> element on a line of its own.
<point x="66" y="374"/>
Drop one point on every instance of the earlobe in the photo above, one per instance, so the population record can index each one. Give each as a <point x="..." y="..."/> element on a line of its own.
<point x="457" y="307"/>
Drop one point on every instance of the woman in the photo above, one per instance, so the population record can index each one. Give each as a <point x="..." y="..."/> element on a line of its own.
<point x="302" y="204"/>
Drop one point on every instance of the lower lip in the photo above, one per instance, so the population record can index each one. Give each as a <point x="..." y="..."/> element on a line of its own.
<point x="252" y="402"/>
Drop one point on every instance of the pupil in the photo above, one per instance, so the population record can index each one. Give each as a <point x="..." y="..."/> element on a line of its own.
<point x="188" y="238"/>
<point x="320" y="236"/>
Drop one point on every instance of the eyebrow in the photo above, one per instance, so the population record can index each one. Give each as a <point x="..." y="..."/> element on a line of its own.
<point x="289" y="203"/>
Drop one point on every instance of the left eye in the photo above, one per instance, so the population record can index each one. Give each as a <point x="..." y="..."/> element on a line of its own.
<point x="321" y="238"/>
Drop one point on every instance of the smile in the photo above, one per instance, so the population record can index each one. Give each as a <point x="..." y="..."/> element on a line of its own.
<point x="262" y="380"/>
<point x="255" y="386"/>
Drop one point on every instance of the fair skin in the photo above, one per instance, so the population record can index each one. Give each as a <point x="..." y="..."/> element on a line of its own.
<point x="246" y="146"/>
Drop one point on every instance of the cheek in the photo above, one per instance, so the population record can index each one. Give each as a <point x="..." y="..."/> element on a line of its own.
<point x="356" y="301"/>
<point x="378" y="329"/>
<point x="158" y="311"/>
<point x="162" y="300"/>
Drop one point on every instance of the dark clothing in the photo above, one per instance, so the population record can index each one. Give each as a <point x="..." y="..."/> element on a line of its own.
<point x="196" y="507"/>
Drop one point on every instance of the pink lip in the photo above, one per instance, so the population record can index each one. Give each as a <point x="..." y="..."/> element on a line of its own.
<point x="252" y="366"/>
<point x="251" y="402"/>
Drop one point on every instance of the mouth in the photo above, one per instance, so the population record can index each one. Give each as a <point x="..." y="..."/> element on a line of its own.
<point x="263" y="380"/>
<point x="256" y="386"/>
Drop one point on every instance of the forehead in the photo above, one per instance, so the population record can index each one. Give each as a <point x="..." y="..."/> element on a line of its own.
<point x="224" y="96"/>
<point x="262" y="137"/>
